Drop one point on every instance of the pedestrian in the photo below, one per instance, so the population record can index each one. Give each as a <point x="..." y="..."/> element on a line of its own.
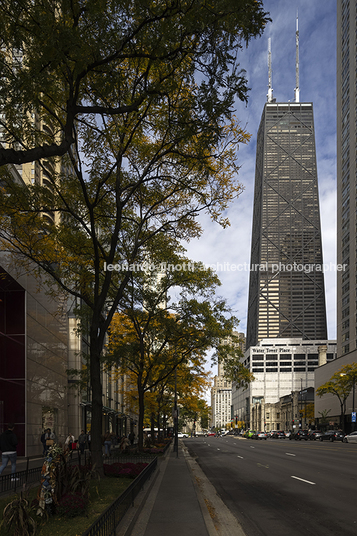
<point x="43" y="441"/>
<point x="132" y="437"/>
<point x="82" y="441"/>
<point x="49" y="440"/>
<point x="8" y="444"/>
<point x="69" y="442"/>
<point x="125" y="443"/>
<point x="107" y="443"/>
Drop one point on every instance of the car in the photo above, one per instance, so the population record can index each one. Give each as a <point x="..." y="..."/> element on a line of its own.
<point x="181" y="435"/>
<point x="315" y="435"/>
<point x="259" y="435"/>
<point x="210" y="434"/>
<point x="278" y="435"/>
<point x="271" y="433"/>
<point x="249" y="433"/>
<point x="299" y="435"/>
<point x="288" y="433"/>
<point x="350" y="438"/>
<point x="332" y="435"/>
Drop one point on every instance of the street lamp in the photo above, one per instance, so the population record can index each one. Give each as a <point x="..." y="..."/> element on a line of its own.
<point x="353" y="404"/>
<point x="176" y="417"/>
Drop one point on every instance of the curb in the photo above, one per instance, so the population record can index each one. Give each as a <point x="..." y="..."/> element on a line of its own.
<point x="220" y="520"/>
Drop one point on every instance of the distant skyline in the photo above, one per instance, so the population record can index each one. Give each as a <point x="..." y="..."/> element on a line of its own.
<point x="317" y="31"/>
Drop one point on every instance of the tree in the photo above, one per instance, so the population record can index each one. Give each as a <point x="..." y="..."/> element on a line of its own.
<point x="152" y="338"/>
<point x="139" y="96"/>
<point x="194" y="410"/>
<point x="68" y="60"/>
<point x="324" y="416"/>
<point x="229" y="353"/>
<point x="340" y="385"/>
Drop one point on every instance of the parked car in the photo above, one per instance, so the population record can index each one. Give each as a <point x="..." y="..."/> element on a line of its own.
<point x="278" y="435"/>
<point x="350" y="438"/>
<point x="315" y="435"/>
<point x="288" y="433"/>
<point x="181" y="435"/>
<point x="249" y="433"/>
<point x="332" y="435"/>
<point x="299" y="435"/>
<point x="259" y="435"/>
<point x="271" y="433"/>
<point x="209" y="434"/>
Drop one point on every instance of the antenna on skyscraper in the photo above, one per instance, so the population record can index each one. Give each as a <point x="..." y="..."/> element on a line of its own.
<point x="297" y="89"/>
<point x="270" y="88"/>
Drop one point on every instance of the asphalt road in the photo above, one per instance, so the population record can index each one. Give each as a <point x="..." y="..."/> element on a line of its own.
<point x="283" y="488"/>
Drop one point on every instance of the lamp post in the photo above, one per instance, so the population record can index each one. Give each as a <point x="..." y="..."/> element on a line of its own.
<point x="353" y="402"/>
<point x="175" y="418"/>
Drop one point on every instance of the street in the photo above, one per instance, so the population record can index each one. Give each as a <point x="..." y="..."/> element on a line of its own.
<point x="280" y="487"/>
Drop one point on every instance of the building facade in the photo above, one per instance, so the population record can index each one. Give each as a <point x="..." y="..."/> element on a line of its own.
<point x="291" y="412"/>
<point x="286" y="288"/>
<point x="280" y="367"/>
<point x="346" y="177"/>
<point x="40" y="341"/>
<point x="221" y="402"/>
<point x="221" y="393"/>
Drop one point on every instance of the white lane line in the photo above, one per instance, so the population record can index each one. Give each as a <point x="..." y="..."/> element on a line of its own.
<point x="218" y="449"/>
<point x="252" y="447"/>
<point x="241" y="457"/>
<point x="302" y="480"/>
<point x="289" y="454"/>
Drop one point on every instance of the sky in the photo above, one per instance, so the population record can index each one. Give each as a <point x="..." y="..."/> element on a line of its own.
<point x="317" y="47"/>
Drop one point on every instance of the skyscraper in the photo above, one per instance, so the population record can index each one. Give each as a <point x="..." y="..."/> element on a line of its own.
<point x="346" y="176"/>
<point x="286" y="290"/>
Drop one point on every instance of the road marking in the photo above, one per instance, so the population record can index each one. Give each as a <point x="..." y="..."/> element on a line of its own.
<point x="252" y="447"/>
<point x="218" y="449"/>
<point x="261" y="465"/>
<point x="288" y="454"/>
<point x="241" y="457"/>
<point x="302" y="480"/>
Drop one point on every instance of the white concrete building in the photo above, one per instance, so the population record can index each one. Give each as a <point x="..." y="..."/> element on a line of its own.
<point x="280" y="366"/>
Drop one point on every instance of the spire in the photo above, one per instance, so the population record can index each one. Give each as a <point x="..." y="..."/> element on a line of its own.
<point x="270" y="88"/>
<point x="297" y="88"/>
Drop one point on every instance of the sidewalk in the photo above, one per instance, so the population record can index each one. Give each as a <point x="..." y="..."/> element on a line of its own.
<point x="174" y="506"/>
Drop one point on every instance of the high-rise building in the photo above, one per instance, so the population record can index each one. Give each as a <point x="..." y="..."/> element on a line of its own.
<point x="286" y="290"/>
<point x="221" y="392"/>
<point x="346" y="175"/>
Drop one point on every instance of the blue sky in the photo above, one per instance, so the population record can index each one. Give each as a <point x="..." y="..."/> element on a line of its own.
<point x="317" y="30"/>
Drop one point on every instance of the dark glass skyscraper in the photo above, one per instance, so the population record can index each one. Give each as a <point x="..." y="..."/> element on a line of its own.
<point x="286" y="290"/>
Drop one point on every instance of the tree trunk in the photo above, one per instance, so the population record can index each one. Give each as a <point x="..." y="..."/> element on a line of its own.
<point x="159" y="435"/>
<point x="97" y="402"/>
<point x="152" y="420"/>
<point x="141" y="415"/>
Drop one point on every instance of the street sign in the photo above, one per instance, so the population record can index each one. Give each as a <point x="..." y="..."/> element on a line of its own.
<point x="354" y="416"/>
